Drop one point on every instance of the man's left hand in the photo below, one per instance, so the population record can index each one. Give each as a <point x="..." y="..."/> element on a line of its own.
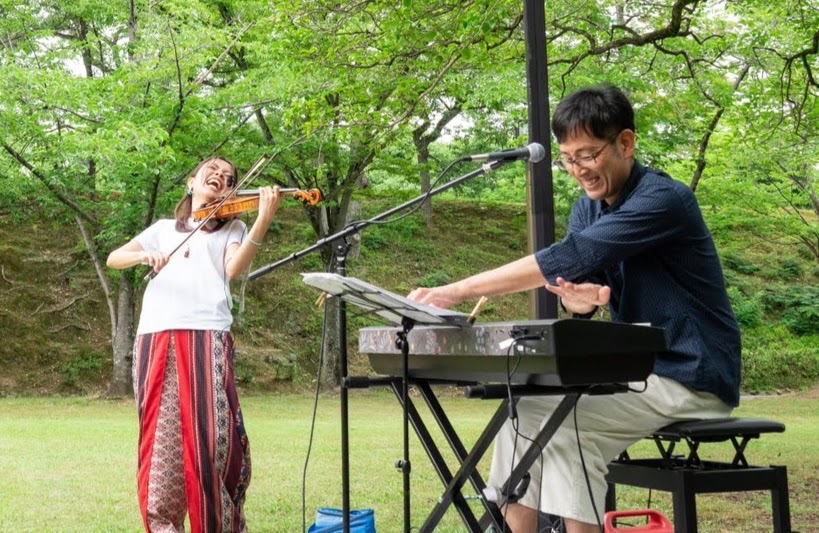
<point x="580" y="298"/>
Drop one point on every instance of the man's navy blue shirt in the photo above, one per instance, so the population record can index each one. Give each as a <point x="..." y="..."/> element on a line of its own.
<point x="653" y="249"/>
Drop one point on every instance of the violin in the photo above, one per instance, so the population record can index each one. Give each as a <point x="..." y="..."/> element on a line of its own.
<point x="247" y="200"/>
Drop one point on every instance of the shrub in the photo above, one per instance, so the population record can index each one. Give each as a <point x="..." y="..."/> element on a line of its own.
<point x="748" y="310"/>
<point x="275" y="227"/>
<point x="244" y="371"/>
<point x="738" y="264"/>
<point x="799" y="306"/>
<point x="789" y="268"/>
<point x="434" y="279"/>
<point x="85" y="364"/>
<point x="374" y="239"/>
<point x="774" y="360"/>
<point x="741" y="283"/>
<point x="802" y="320"/>
<point x="805" y="253"/>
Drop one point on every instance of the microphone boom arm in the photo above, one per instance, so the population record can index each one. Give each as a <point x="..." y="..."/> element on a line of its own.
<point x="357" y="226"/>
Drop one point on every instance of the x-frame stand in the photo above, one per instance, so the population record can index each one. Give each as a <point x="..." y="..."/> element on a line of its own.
<point x="468" y="460"/>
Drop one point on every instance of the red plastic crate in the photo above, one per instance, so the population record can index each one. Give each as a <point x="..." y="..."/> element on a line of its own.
<point x="657" y="522"/>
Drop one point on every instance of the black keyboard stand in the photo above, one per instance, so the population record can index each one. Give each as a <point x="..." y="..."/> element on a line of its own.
<point x="468" y="460"/>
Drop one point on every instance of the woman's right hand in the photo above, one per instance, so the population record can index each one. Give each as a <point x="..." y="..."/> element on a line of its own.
<point x="155" y="260"/>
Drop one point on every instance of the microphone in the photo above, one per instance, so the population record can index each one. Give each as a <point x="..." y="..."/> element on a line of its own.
<point x="533" y="152"/>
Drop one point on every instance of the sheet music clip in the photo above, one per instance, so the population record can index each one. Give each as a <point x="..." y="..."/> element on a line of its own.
<point x="386" y="304"/>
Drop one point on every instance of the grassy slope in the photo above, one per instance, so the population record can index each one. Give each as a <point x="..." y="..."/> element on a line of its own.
<point x="54" y="321"/>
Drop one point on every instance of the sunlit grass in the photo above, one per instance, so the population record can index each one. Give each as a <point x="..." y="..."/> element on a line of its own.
<point x="68" y="464"/>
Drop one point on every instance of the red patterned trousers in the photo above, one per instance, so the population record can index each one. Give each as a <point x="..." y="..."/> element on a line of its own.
<point x="193" y="450"/>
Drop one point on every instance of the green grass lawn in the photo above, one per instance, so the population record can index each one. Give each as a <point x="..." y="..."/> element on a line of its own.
<point x="68" y="464"/>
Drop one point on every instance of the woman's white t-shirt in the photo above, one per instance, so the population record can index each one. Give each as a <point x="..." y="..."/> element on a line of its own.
<point x="192" y="290"/>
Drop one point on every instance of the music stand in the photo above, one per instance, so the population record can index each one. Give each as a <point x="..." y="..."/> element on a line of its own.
<point x="397" y="310"/>
<point x="388" y="305"/>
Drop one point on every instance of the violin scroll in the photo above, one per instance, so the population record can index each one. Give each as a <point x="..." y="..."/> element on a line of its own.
<point x="309" y="197"/>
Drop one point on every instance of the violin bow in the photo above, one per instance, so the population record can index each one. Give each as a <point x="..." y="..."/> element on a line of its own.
<point x="247" y="178"/>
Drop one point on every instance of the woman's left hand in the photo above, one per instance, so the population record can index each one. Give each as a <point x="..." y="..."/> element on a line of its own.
<point x="269" y="200"/>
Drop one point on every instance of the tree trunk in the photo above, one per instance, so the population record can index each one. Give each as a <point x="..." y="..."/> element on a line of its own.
<point x="331" y="363"/>
<point x="120" y="315"/>
<point x="712" y="127"/>
<point x="354" y="213"/>
<point x="330" y="345"/>
<point x="123" y="341"/>
<point x="423" y="160"/>
<point x="240" y="305"/>
<point x="422" y="137"/>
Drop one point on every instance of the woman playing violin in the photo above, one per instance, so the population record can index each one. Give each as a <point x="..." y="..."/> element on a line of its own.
<point x="193" y="450"/>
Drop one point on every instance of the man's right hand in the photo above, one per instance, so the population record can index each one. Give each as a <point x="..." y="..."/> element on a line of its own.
<point x="443" y="297"/>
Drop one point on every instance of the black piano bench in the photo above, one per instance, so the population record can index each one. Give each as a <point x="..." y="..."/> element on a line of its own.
<point x="687" y="476"/>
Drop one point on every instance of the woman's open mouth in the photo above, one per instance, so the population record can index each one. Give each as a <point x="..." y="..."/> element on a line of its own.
<point x="215" y="183"/>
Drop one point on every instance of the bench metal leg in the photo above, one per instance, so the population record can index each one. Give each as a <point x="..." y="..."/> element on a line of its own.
<point x="685" y="504"/>
<point x="611" y="497"/>
<point x="780" y="503"/>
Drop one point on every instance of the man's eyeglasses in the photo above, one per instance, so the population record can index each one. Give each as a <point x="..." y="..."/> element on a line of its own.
<point x="581" y="162"/>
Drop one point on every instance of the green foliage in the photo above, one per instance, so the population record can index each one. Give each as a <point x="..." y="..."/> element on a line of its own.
<point x="254" y="371"/>
<point x="789" y="269"/>
<point x="402" y="233"/>
<point x="799" y="307"/>
<point x="802" y="320"/>
<point x="374" y="240"/>
<point x="275" y="227"/>
<point x="435" y="279"/>
<point x="85" y="365"/>
<point x="738" y="264"/>
<point x="748" y="310"/>
<point x="774" y="360"/>
<point x="102" y="120"/>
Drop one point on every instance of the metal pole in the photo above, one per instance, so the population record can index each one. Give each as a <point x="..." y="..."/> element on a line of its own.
<point x="341" y="249"/>
<point x="539" y="193"/>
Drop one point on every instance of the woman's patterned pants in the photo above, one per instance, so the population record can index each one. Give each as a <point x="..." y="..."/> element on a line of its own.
<point x="193" y="450"/>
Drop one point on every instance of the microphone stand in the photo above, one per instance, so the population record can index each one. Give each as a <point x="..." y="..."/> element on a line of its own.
<point x="339" y="242"/>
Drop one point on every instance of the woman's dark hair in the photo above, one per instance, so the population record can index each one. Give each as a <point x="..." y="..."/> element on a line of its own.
<point x="185" y="206"/>
<point x="602" y="111"/>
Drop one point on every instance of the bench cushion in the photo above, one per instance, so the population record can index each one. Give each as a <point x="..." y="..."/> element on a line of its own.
<point x="718" y="429"/>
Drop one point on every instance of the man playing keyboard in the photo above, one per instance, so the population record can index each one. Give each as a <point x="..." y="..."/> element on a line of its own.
<point x="636" y="242"/>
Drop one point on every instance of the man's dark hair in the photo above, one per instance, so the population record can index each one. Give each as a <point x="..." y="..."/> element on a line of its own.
<point x="602" y="111"/>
